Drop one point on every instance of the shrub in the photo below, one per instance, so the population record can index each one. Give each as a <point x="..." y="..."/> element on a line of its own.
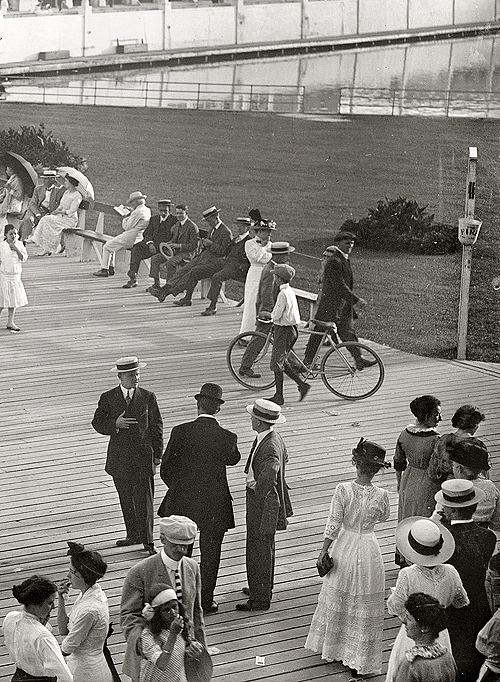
<point x="402" y="225"/>
<point x="39" y="147"/>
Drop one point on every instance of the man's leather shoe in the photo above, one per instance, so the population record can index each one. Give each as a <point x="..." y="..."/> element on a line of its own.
<point x="361" y="363"/>
<point x="246" y="591"/>
<point x="210" y="608"/>
<point x="150" y="548"/>
<point x="130" y="284"/>
<point x="303" y="391"/>
<point x="253" y="606"/>
<point x="248" y="373"/>
<point x="183" y="302"/>
<point x="126" y="542"/>
<point x="153" y="290"/>
<point x="101" y="273"/>
<point x="209" y="311"/>
<point x="111" y="270"/>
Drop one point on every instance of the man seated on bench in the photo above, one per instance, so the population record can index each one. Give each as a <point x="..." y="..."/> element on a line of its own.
<point x="159" y="230"/>
<point x="133" y="225"/>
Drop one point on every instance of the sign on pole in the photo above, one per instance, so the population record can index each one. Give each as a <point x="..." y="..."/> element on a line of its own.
<point x="468" y="230"/>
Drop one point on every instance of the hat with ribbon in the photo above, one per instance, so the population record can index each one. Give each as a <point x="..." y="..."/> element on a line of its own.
<point x="209" y="212"/>
<point x="345" y="237"/>
<point x="285" y="272"/>
<point x="49" y="173"/>
<point x="371" y="452"/>
<point x="136" y="195"/>
<point x="470" y="452"/>
<point x="424" y="542"/>
<point x="164" y="202"/>
<point x="241" y="220"/>
<point x="281" y="247"/>
<point x="180" y="530"/>
<point x="266" y="411"/>
<point x="458" y="492"/>
<point x="212" y="392"/>
<point x="128" y="364"/>
<point x="161" y="598"/>
<point x="264" y="224"/>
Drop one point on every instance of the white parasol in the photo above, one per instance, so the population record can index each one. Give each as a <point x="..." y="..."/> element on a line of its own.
<point x="84" y="185"/>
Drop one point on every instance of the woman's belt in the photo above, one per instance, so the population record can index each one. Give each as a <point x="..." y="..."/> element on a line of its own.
<point x="21" y="676"/>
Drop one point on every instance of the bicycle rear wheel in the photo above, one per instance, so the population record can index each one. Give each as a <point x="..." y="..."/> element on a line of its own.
<point x="257" y="348"/>
<point x="340" y="376"/>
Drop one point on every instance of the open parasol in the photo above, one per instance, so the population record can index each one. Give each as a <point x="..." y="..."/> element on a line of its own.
<point x="23" y="169"/>
<point x="84" y="186"/>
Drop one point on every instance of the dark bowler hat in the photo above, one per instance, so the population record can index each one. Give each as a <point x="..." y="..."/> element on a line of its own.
<point x="164" y="202"/>
<point x="211" y="391"/>
<point x="470" y="453"/>
<point x="209" y="212"/>
<point x="345" y="237"/>
<point x="372" y="452"/>
<point x="281" y="247"/>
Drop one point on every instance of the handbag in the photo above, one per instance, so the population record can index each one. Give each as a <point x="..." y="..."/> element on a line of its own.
<point x="325" y="565"/>
<point x="199" y="669"/>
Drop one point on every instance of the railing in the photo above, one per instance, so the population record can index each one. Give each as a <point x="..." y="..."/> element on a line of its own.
<point x="207" y="96"/>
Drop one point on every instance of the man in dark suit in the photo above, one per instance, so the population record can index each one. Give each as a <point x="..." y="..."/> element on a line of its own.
<point x="474" y="547"/>
<point x="130" y="415"/>
<point x="194" y="469"/>
<point x="267" y="503"/>
<point x="337" y="298"/>
<point x="158" y="231"/>
<point x="171" y="568"/>
<point x="214" y="245"/>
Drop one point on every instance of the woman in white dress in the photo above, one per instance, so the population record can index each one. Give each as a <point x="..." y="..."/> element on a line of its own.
<point x="86" y="628"/>
<point x="28" y="636"/>
<point x="425" y="544"/>
<point x="12" y="294"/>
<point x="258" y="252"/>
<point x="348" y="622"/>
<point x="47" y="234"/>
<point x="11" y="197"/>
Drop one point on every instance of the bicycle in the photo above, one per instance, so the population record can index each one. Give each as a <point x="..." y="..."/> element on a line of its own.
<point x="337" y="367"/>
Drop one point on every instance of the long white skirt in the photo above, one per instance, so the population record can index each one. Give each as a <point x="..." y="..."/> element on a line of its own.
<point x="402" y="643"/>
<point x="47" y="234"/>
<point x="12" y="293"/>
<point x="252" y="280"/>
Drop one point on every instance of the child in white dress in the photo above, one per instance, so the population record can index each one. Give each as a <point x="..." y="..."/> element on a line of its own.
<point x="12" y="293"/>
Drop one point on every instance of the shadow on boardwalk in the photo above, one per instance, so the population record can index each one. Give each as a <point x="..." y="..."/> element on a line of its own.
<point x="54" y="487"/>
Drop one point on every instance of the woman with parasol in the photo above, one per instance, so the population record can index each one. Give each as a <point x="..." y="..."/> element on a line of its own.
<point x="11" y="196"/>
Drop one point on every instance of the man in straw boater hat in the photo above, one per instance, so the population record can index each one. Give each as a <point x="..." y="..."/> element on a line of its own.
<point x="337" y="299"/>
<point x="214" y="244"/>
<point x="171" y="568"/>
<point x="474" y="547"/>
<point x="267" y="503"/>
<point x="426" y="545"/>
<point x="131" y="417"/>
<point x="159" y="230"/>
<point x="194" y="469"/>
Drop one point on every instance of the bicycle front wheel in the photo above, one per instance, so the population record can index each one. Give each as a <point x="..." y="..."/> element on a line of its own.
<point x="340" y="375"/>
<point x="250" y="353"/>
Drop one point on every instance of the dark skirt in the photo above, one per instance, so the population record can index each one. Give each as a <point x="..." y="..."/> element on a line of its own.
<point x="21" y="676"/>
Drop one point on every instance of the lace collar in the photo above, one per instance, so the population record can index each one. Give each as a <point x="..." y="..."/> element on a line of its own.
<point x="434" y="651"/>
<point x="417" y="431"/>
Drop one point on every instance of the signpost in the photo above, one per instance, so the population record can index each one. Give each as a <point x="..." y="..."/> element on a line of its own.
<point x="468" y="230"/>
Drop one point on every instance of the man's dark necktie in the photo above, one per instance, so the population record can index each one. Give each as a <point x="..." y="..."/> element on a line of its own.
<point x="247" y="465"/>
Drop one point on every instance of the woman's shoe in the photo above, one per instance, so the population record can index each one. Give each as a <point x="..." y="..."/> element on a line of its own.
<point x="13" y="328"/>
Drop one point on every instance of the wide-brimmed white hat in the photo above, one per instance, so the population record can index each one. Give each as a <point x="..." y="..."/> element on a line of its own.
<point x="266" y="411"/>
<point x="137" y="195"/>
<point x="423" y="541"/>
<point x="128" y="364"/>
<point x="458" y="492"/>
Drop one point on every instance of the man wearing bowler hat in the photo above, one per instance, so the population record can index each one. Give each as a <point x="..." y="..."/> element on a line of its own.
<point x="337" y="299"/>
<point x="171" y="568"/>
<point x="194" y="469"/>
<point x="474" y="547"/>
<point x="133" y="226"/>
<point x="159" y="230"/>
<point x="131" y="417"/>
<point x="267" y="503"/>
<point x="214" y="244"/>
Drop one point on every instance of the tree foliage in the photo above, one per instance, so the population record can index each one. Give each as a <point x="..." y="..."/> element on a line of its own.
<point x="40" y="147"/>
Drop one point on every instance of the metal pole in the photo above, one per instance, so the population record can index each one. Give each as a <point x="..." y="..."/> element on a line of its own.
<point x="463" y="306"/>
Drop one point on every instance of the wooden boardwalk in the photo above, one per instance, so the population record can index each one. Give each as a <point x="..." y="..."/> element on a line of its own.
<point x="54" y="487"/>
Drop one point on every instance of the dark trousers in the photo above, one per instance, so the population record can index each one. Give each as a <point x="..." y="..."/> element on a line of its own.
<point x="255" y="346"/>
<point x="345" y="330"/>
<point x="202" y="272"/>
<point x="231" y="270"/>
<point x="138" y="253"/>
<point x="260" y="551"/>
<point x="136" y="501"/>
<point x="210" y="549"/>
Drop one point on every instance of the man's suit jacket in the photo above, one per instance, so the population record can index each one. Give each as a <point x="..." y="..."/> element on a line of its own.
<point x="157" y="231"/>
<point x="268" y="464"/>
<point x="187" y="235"/>
<point x="131" y="452"/>
<point x="221" y="241"/>
<point x="194" y="469"/>
<point x="142" y="583"/>
<point x="236" y="252"/>
<point x="337" y="299"/>
<point x="268" y="289"/>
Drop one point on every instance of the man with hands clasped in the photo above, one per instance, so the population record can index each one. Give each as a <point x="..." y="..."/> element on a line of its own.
<point x="131" y="417"/>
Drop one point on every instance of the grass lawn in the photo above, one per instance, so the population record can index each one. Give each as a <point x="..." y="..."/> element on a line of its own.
<point x="311" y="176"/>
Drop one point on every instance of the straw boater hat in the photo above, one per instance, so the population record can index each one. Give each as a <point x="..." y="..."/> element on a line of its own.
<point x="179" y="529"/>
<point x="164" y="202"/>
<point x="266" y="411"/>
<point x="211" y="391"/>
<point x="136" y="195"/>
<point x="209" y="212"/>
<point x="281" y="247"/>
<point x="424" y="542"/>
<point x="241" y="220"/>
<point x="128" y="365"/>
<point x="457" y="492"/>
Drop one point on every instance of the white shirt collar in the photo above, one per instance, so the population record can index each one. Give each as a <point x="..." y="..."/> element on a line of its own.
<point x="169" y="563"/>
<point x="210" y="416"/>
<point x="126" y="390"/>
<point x="346" y="255"/>
<point x="241" y="237"/>
<point x="183" y="221"/>
<point x="284" y="285"/>
<point x="263" y="434"/>
<point x="455" y="522"/>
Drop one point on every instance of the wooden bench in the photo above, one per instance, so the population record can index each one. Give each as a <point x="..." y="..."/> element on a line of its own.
<point x="127" y="45"/>
<point x="308" y="296"/>
<point x="53" y="54"/>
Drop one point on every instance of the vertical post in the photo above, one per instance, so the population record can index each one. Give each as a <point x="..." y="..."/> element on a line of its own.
<point x="463" y="307"/>
<point x="304" y="20"/>
<point x="239" y="18"/>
